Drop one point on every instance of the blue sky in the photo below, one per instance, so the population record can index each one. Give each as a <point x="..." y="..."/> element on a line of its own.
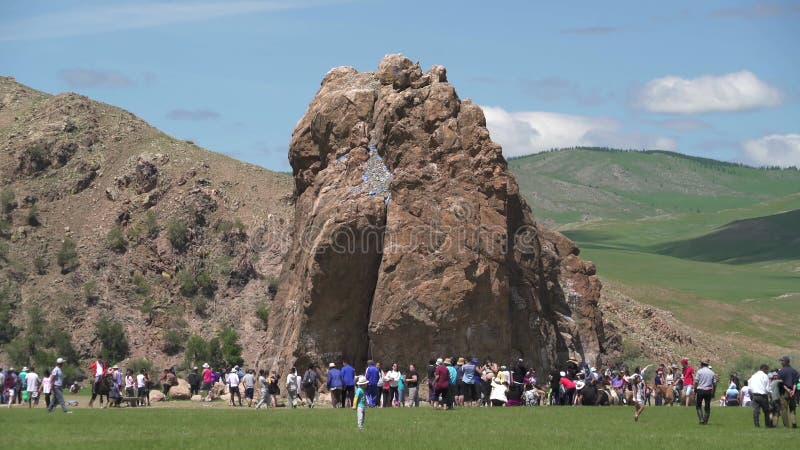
<point x="713" y="78"/>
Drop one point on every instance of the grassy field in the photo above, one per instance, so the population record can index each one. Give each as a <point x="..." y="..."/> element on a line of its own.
<point x="716" y="244"/>
<point x="221" y="427"/>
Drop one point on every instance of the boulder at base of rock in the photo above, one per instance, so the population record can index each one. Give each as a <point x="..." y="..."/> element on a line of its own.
<point x="196" y="398"/>
<point x="156" y="396"/>
<point x="180" y="392"/>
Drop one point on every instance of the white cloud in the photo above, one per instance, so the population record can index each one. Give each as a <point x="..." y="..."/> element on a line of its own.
<point x="735" y="91"/>
<point x="526" y="132"/>
<point x="773" y="150"/>
<point x="118" y="17"/>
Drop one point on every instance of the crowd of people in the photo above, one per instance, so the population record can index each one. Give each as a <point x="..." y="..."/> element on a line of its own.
<point x="453" y="382"/>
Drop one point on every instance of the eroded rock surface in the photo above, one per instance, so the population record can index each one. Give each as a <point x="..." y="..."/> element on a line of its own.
<point x="412" y="240"/>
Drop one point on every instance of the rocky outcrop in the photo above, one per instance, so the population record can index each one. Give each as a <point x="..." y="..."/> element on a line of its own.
<point x="412" y="240"/>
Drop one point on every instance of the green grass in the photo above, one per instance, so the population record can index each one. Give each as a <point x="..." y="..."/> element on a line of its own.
<point x="566" y="185"/>
<point x="545" y="427"/>
<point x="715" y="243"/>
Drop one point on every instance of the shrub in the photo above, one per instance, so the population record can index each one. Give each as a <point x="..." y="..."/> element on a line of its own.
<point x="9" y="296"/>
<point x="7" y="204"/>
<point x="116" y="240"/>
<point x="186" y="283"/>
<point x="263" y="314"/>
<point x="151" y="224"/>
<point x="134" y="234"/>
<point x="229" y="345"/>
<point x="67" y="257"/>
<point x="141" y="286"/>
<point x="141" y="363"/>
<point x="90" y="291"/>
<point x="33" y="216"/>
<point x="147" y="306"/>
<point x="173" y="342"/>
<point x="40" y="264"/>
<point x="227" y="225"/>
<point x="206" y="284"/>
<point x="272" y="285"/>
<point x="112" y="337"/>
<point x="196" y="351"/>
<point x="178" y="235"/>
<point x="3" y="251"/>
<point x="200" y="304"/>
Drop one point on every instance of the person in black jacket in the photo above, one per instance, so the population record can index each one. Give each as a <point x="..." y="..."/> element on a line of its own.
<point x="194" y="381"/>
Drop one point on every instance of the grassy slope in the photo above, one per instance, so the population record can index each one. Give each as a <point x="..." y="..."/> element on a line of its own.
<point x="393" y="428"/>
<point x="732" y="268"/>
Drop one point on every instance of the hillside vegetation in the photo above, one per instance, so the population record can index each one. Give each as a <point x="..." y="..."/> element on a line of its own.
<point x="715" y="244"/>
<point x="118" y="240"/>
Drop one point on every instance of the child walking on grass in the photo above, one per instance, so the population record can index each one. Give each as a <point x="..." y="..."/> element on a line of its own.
<point x="360" y="401"/>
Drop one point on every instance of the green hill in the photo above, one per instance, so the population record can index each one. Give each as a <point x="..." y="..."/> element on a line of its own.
<point x="715" y="243"/>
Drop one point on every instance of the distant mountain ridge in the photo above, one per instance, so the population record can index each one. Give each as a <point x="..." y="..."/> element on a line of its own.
<point x="596" y="184"/>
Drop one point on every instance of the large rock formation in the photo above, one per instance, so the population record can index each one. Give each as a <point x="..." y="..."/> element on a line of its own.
<point x="411" y="238"/>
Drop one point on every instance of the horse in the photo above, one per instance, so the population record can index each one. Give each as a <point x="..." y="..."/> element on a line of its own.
<point x="666" y="393"/>
<point x="102" y="388"/>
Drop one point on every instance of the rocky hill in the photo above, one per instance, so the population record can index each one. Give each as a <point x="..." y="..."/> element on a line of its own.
<point x="106" y="219"/>
<point x="412" y="240"/>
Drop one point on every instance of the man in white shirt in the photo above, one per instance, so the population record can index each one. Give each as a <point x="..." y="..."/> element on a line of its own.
<point x="233" y="384"/>
<point x="759" y="392"/>
<point x="32" y="380"/>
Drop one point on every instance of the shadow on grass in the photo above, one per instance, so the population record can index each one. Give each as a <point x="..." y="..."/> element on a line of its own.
<point x="766" y="238"/>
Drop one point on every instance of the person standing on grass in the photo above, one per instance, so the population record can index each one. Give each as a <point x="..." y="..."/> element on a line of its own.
<point x="142" y="387"/>
<point x="310" y="385"/>
<point x="348" y="384"/>
<point x="789" y="378"/>
<point x="33" y="386"/>
<point x="10" y="387"/>
<point x="441" y="384"/>
<point x="468" y="378"/>
<point x="273" y="388"/>
<point x="401" y="389"/>
<point x="57" y="381"/>
<point x="47" y="387"/>
<point x="687" y="378"/>
<point x="412" y="382"/>
<point x="249" y="382"/>
<point x="233" y="387"/>
<point x="451" y="390"/>
<point x="264" y="386"/>
<point x="360" y="401"/>
<point x="393" y="377"/>
<point x="638" y="393"/>
<point x="335" y="385"/>
<point x="704" y="386"/>
<point x="208" y="380"/>
<point x="759" y="392"/>
<point x="292" y="387"/>
<point x="194" y="382"/>
<point x="373" y="376"/>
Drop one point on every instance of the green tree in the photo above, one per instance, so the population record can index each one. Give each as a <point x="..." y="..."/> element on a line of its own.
<point x="67" y="257"/>
<point x="9" y="296"/>
<point x="230" y="347"/>
<point x="112" y="337"/>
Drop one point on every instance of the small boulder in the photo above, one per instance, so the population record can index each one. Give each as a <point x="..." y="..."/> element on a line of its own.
<point x="196" y="398"/>
<point x="156" y="396"/>
<point x="182" y="391"/>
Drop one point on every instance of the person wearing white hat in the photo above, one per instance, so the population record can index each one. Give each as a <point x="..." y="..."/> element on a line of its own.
<point x="335" y="385"/>
<point x="360" y="401"/>
<point x="57" y="382"/>
<point x="208" y="380"/>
